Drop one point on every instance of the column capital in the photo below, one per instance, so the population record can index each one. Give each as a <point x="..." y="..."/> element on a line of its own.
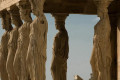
<point x="6" y="20"/>
<point x="60" y="16"/>
<point x="60" y="20"/>
<point x="15" y="16"/>
<point x="25" y="11"/>
<point x="102" y="5"/>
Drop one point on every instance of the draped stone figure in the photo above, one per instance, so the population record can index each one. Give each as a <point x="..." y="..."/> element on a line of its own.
<point x="0" y="57"/>
<point x="6" y="24"/>
<point x="36" y="56"/>
<point x="93" y="63"/>
<point x="102" y="46"/>
<point x="12" y="44"/>
<point x="60" y="49"/>
<point x="23" y="42"/>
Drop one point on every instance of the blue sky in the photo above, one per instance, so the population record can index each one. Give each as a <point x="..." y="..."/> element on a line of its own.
<point x="80" y="30"/>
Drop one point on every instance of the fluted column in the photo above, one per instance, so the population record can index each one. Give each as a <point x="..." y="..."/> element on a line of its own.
<point x="102" y="57"/>
<point x="60" y="48"/>
<point x="6" y="25"/>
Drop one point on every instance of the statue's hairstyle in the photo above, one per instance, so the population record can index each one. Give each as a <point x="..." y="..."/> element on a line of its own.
<point x="37" y="3"/>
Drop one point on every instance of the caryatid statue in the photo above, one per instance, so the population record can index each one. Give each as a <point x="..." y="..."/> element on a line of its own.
<point x="36" y="56"/>
<point x="12" y="44"/>
<point x="6" y="24"/>
<point x="102" y="45"/>
<point x="23" y="41"/>
<point x="60" y="49"/>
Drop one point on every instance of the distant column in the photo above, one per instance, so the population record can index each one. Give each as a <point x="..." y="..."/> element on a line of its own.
<point x="60" y="49"/>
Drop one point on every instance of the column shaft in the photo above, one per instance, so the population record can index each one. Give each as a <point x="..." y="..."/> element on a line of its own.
<point x="36" y="55"/>
<point x="118" y="49"/>
<point x="101" y="56"/>
<point x="60" y="49"/>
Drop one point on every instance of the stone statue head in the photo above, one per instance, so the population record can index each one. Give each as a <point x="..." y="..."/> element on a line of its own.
<point x="15" y="18"/>
<point x="25" y="12"/>
<point x="60" y="20"/>
<point x="60" y="25"/>
<point x="37" y="6"/>
<point x="102" y="7"/>
<point x="6" y="21"/>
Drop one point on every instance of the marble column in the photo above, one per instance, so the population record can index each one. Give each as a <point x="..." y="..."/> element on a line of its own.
<point x="36" y="55"/>
<point x="23" y="41"/>
<point x="6" y="25"/>
<point x="118" y="49"/>
<point x="12" y="43"/>
<point x="60" y="48"/>
<point x="102" y="45"/>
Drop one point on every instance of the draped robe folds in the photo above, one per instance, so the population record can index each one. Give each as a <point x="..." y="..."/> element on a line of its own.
<point x="102" y="48"/>
<point x="4" y="54"/>
<point x="21" y="53"/>
<point x="12" y="46"/>
<point x="60" y="56"/>
<point x="0" y="59"/>
<point x="36" y="56"/>
<point x="94" y="64"/>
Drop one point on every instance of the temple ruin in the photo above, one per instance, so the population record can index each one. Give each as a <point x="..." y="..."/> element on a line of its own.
<point x="23" y="47"/>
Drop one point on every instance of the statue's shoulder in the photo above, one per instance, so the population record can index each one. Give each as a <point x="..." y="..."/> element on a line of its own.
<point x="6" y="34"/>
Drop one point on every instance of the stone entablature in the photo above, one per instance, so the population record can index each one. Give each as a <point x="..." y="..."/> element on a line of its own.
<point x="64" y="6"/>
<point x="4" y="4"/>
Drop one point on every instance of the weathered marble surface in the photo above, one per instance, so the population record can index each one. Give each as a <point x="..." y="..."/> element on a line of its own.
<point x="3" y="58"/>
<point x="102" y="46"/>
<point x="60" y="49"/>
<point x="12" y="44"/>
<point x="36" y="57"/>
<point x="118" y="49"/>
<point x="7" y="3"/>
<point x="23" y="42"/>
<point x="6" y="24"/>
